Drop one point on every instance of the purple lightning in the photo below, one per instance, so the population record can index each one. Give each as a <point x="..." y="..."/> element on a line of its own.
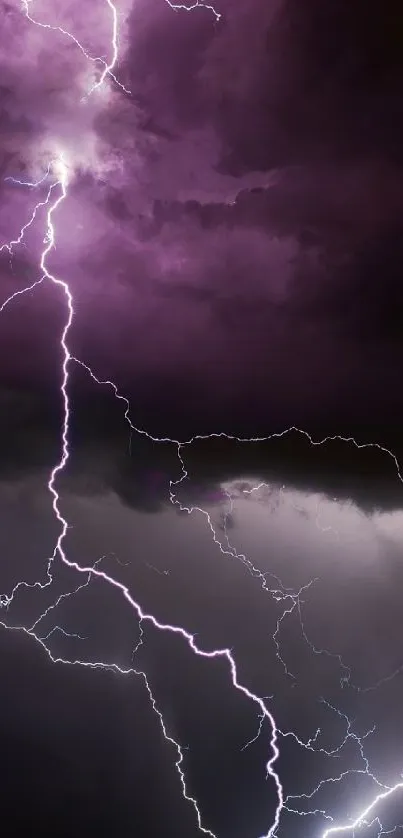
<point x="60" y="169"/>
<point x="143" y="617"/>
<point x="61" y="172"/>
<point x="57" y="193"/>
<point x="107" y="67"/>
<point x="182" y="7"/>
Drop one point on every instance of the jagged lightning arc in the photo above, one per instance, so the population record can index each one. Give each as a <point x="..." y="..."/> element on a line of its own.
<point x="59" y="549"/>
<point x="61" y="172"/>
<point x="58" y="170"/>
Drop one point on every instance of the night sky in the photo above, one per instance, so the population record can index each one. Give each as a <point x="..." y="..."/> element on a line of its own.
<point x="201" y="407"/>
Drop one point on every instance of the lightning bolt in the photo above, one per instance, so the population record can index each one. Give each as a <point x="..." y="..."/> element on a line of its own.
<point x="360" y="821"/>
<point x="33" y="184"/>
<point x="19" y="240"/>
<point x="290" y="599"/>
<point x="182" y="7"/>
<point x="62" y="186"/>
<point x="107" y="67"/>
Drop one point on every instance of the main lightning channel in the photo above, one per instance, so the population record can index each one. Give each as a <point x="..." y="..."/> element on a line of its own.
<point x="143" y="617"/>
<point x="225" y="654"/>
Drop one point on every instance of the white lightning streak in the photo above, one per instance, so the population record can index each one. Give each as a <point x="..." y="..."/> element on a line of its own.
<point x="59" y="550"/>
<point x="114" y="57"/>
<point x="32" y="184"/>
<point x="334" y="830"/>
<point x="19" y="240"/>
<point x="108" y="68"/>
<point x="182" y="7"/>
<point x="279" y="593"/>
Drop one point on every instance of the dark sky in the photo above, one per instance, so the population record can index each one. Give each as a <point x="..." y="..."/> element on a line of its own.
<point x="225" y="213"/>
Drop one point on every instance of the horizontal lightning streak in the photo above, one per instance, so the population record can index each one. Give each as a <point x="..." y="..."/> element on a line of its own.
<point x="32" y="184"/>
<point x="182" y="7"/>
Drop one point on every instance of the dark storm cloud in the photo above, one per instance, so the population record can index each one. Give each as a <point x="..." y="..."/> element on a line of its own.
<point x="105" y="457"/>
<point x="368" y="477"/>
<point x="308" y="83"/>
<point x="76" y="765"/>
<point x="38" y="85"/>
<point x="227" y="241"/>
<point x="252" y="279"/>
<point x="238" y="271"/>
<point x="282" y="85"/>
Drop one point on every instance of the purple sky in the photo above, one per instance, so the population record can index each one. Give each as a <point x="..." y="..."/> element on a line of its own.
<point x="232" y="239"/>
<point x="232" y="232"/>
